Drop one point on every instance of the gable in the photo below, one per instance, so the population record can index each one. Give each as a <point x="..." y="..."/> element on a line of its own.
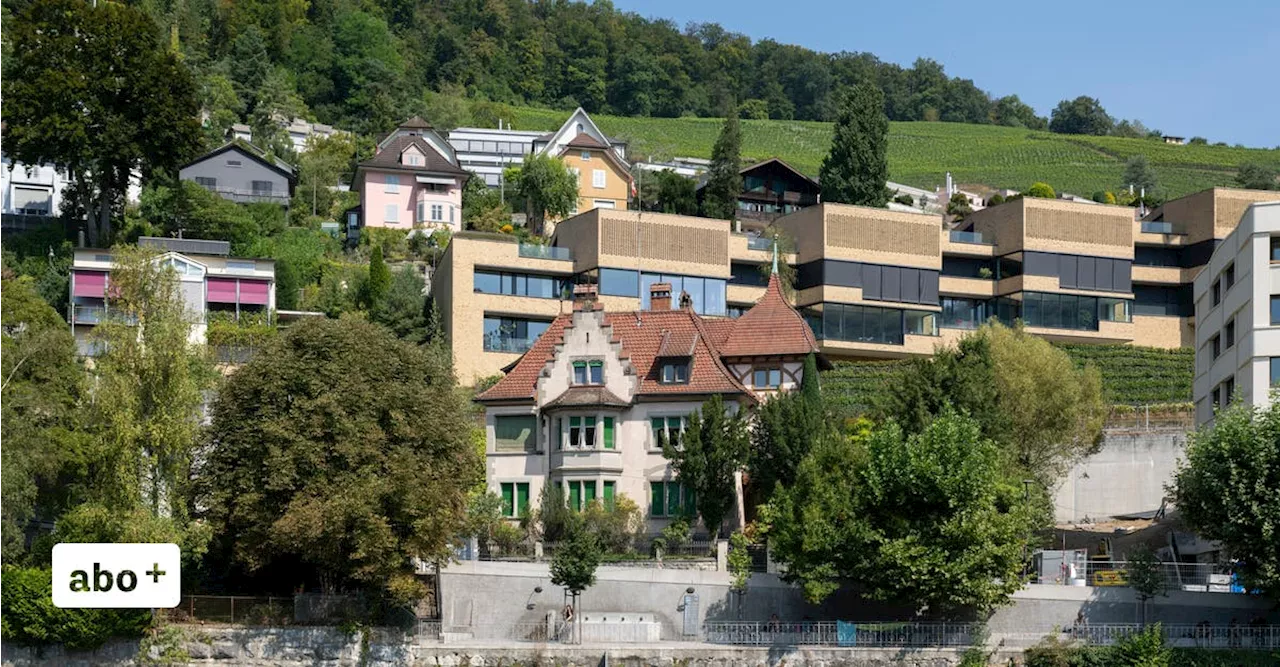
<point x="588" y="338"/>
<point x="578" y="123"/>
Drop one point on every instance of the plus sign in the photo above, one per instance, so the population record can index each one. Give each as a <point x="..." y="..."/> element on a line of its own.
<point x="155" y="573"/>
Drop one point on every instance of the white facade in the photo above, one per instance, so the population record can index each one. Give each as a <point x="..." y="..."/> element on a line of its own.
<point x="487" y="151"/>
<point x="1237" y="297"/>
<point x="37" y="190"/>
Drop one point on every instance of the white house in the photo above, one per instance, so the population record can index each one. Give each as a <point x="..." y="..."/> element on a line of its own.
<point x="1237" y="297"/>
<point x="587" y="406"/>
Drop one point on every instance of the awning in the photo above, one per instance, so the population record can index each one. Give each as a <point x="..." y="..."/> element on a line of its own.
<point x="90" y="283"/>
<point x="253" y="292"/>
<point x="221" y="290"/>
<point x="436" y="180"/>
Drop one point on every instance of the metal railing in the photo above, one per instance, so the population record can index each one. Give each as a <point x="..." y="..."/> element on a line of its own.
<point x="957" y="236"/>
<point x="1203" y="635"/>
<point x="508" y="344"/>
<point x="249" y="196"/>
<point x="537" y="251"/>
<point x="233" y="354"/>
<point x="1176" y="575"/>
<point x="233" y="609"/>
<point x="89" y="314"/>
<point x="773" y="633"/>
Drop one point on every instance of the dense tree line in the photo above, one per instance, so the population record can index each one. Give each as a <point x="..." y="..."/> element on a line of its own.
<point x="364" y="65"/>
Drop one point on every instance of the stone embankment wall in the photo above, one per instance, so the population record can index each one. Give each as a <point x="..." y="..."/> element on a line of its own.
<point x="1126" y="476"/>
<point x="299" y="647"/>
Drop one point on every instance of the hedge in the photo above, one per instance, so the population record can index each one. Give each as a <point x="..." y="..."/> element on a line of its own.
<point x="27" y="615"/>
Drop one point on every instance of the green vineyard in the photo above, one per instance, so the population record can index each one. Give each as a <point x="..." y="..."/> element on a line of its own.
<point x="921" y="153"/>
<point x="1131" y="376"/>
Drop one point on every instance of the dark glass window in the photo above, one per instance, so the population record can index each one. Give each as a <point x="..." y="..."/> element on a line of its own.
<point x="1070" y="311"/>
<point x="1275" y="310"/>
<point x="766" y="378"/>
<point x="962" y="313"/>
<point x="863" y="324"/>
<point x="619" y="282"/>
<point x="1275" y="248"/>
<point x="1275" y="371"/>
<point x="748" y="274"/>
<point x="1007" y="267"/>
<point x="675" y="372"/>
<point x="1216" y="292"/>
<point x="1163" y="301"/>
<point x="706" y="294"/>
<point x="521" y="284"/>
<point x="1229" y="333"/>
<point x="968" y="267"/>
<point x="1154" y="256"/>
<point x="511" y="334"/>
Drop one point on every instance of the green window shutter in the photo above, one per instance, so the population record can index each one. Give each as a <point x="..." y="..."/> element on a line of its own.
<point x="608" y="433"/>
<point x="575" y="495"/>
<point x="656" y="493"/>
<point x="596" y="363"/>
<point x="608" y="495"/>
<point x="673" y="498"/>
<point x="588" y="492"/>
<point x="508" y="490"/>
<point x="575" y="421"/>
<point x="579" y="364"/>
<point x="658" y="424"/>
<point x="690" y="502"/>
<point x="522" y="498"/>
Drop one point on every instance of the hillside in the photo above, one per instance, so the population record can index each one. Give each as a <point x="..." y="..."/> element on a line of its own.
<point x="921" y="153"/>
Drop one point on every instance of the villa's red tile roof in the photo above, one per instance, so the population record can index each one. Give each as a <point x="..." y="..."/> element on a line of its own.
<point x="770" y="327"/>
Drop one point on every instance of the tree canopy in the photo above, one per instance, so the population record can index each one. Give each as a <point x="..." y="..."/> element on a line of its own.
<point x="92" y="90"/>
<point x="549" y="189"/>
<point x="1256" y="177"/>
<point x="336" y="455"/>
<point x="855" y="170"/>
<point x="709" y="454"/>
<point x="930" y="518"/>
<point x="1225" y="490"/>
<point x="1083" y="115"/>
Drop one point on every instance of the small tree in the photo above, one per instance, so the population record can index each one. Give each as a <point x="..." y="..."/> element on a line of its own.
<point x="710" y="452"/>
<point x="739" y="566"/>
<point x="1139" y="174"/>
<point x="724" y="183"/>
<point x="1041" y="190"/>
<point x="856" y="168"/>
<point x="1144" y="576"/>
<point x="375" y="288"/>
<point x="549" y="189"/>
<point x="1083" y="115"/>
<point x="574" y="564"/>
<point x="959" y="206"/>
<point x="1144" y="649"/>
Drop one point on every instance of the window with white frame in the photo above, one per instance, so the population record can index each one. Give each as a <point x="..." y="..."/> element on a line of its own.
<point x="597" y="178"/>
<point x="586" y="156"/>
<point x="669" y="429"/>
<point x="34" y="201"/>
<point x="437" y="212"/>
<point x="579" y="432"/>
<point x="766" y="378"/>
<point x="391" y="185"/>
<point x="515" y="433"/>
<point x="675" y="372"/>
<point x="605" y="203"/>
<point x="391" y="215"/>
<point x="420" y="215"/>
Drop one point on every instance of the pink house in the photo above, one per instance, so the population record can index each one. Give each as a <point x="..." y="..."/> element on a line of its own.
<point x="412" y="181"/>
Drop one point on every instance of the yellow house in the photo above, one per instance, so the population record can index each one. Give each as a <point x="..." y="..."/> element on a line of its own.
<point x="604" y="177"/>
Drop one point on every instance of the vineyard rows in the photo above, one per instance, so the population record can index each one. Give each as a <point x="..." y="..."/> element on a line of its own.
<point x="920" y="154"/>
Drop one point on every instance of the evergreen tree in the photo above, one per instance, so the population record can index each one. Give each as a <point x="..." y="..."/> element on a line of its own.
<point x="809" y="385"/>
<point x="711" y="450"/>
<point x="855" y="170"/>
<point x="379" y="280"/>
<point x="724" y="183"/>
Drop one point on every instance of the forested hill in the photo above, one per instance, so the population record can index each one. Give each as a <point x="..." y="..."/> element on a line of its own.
<point x="364" y="65"/>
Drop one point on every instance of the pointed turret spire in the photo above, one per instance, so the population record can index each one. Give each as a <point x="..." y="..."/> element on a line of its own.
<point x="774" y="272"/>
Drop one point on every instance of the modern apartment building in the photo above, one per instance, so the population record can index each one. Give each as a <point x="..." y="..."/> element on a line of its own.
<point x="872" y="283"/>
<point x="1237" y="311"/>
<point x="589" y="405"/>
<point x="211" y="281"/>
<point x="486" y="151"/>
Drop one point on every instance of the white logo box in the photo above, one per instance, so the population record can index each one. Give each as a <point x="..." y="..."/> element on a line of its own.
<point x="117" y="576"/>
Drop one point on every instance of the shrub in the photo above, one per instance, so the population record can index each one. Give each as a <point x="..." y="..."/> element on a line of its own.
<point x="615" y="527"/>
<point x="507" y="536"/>
<point x="29" y="617"/>
<point x="553" y="516"/>
<point x="677" y="533"/>
<point x="1041" y="190"/>
<point x="995" y="200"/>
<point x="1143" y="649"/>
<point x="905" y="200"/>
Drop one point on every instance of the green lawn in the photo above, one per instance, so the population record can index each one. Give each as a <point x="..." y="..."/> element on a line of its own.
<point x="920" y="154"/>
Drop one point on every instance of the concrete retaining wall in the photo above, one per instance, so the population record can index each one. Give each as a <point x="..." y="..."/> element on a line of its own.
<point x="1126" y="476"/>
<point x="299" y="647"/>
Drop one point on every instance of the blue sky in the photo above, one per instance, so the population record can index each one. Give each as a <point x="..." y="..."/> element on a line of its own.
<point x="1186" y="67"/>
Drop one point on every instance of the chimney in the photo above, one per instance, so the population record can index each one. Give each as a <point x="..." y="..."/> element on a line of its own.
<point x="584" y="297"/>
<point x="660" y="296"/>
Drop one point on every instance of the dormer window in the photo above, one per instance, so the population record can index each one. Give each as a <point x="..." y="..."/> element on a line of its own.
<point x="586" y="156"/>
<point x="675" y="372"/>
<point x="413" y="159"/>
<point x="588" y="372"/>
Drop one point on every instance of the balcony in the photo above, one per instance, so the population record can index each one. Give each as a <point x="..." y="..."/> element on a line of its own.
<point x="586" y="459"/>
<point x="975" y="238"/>
<point x="1157" y="228"/>
<point x="508" y="344"/>
<point x="88" y="314"/>
<point x="544" y="252"/>
<point x="250" y="196"/>
<point x="759" y="243"/>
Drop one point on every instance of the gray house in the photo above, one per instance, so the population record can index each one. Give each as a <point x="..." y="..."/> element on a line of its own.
<point x="240" y="172"/>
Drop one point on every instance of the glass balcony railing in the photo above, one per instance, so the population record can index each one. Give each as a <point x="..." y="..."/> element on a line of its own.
<point x="544" y="252"/>
<point x="759" y="243"/>
<point x="968" y="237"/>
<point x="508" y="344"/>
<point x="89" y="314"/>
<point x="1157" y="228"/>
